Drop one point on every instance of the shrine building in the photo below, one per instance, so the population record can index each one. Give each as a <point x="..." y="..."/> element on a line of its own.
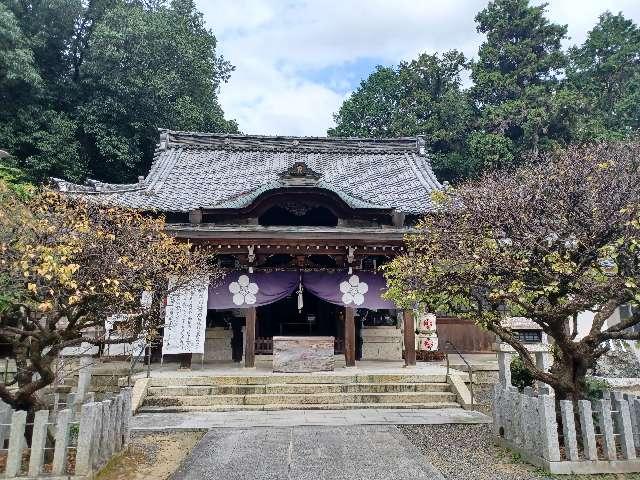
<point x="300" y="226"/>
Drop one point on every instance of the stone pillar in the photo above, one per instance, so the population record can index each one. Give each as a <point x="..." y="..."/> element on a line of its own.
<point x="549" y="428"/>
<point x="569" y="430"/>
<point x="350" y="337"/>
<point x="588" y="432"/>
<point x="250" y="339"/>
<point x="5" y="420"/>
<point x="86" y="438"/>
<point x="62" y="442"/>
<point x="504" y="368"/>
<point x="84" y="378"/>
<point x="409" y="338"/>
<point x="626" y="430"/>
<point x="606" y="428"/>
<point x="16" y="443"/>
<point x="543" y="362"/>
<point x="38" y="441"/>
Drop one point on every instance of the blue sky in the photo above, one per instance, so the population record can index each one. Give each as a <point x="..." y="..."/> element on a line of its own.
<point x="297" y="60"/>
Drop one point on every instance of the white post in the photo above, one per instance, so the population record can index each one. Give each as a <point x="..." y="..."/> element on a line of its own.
<point x="549" y="428"/>
<point x="569" y="429"/>
<point x="626" y="431"/>
<point x="86" y="434"/>
<point x="504" y="365"/>
<point x="105" y="443"/>
<point x="126" y="416"/>
<point x="5" y="421"/>
<point x="588" y="432"/>
<point x="16" y="443"/>
<point x="84" y="378"/>
<point x="38" y="442"/>
<point x="96" y="443"/>
<point x="606" y="428"/>
<point x="62" y="442"/>
<point x="117" y="425"/>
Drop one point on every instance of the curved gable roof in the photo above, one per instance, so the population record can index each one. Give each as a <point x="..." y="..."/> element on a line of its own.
<point x="203" y="170"/>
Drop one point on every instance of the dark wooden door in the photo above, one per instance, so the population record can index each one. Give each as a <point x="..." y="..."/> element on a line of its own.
<point x="465" y="335"/>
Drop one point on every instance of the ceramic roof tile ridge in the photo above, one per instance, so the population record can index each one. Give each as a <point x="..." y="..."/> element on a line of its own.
<point x="227" y="141"/>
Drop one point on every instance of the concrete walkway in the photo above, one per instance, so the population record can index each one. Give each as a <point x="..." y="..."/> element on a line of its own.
<point x="160" y="422"/>
<point x="300" y="453"/>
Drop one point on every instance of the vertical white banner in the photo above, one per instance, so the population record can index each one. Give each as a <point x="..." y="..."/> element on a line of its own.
<point x="186" y="318"/>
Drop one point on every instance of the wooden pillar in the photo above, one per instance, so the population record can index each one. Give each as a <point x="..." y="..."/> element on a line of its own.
<point x="250" y="338"/>
<point x="409" y="338"/>
<point x="185" y="360"/>
<point x="350" y="337"/>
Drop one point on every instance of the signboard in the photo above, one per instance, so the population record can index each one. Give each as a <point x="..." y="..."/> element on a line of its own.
<point x="186" y="319"/>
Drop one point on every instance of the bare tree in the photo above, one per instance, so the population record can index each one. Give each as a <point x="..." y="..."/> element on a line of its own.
<point x="554" y="238"/>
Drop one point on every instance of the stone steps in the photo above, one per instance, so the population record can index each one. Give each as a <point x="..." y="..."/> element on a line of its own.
<point x="317" y="379"/>
<point x="297" y="388"/>
<point x="300" y="399"/>
<point x="293" y="406"/>
<point x="297" y="392"/>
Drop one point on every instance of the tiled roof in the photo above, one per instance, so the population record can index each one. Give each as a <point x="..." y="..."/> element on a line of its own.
<point x="203" y="170"/>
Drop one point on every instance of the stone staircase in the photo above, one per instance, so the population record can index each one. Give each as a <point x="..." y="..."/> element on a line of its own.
<point x="297" y="392"/>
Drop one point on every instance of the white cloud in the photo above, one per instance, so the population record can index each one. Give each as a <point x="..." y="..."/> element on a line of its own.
<point x="280" y="48"/>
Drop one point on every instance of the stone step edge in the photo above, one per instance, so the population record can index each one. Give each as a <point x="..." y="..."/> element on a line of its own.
<point x="313" y="380"/>
<point x="315" y="395"/>
<point x="303" y="385"/>
<point x="300" y="406"/>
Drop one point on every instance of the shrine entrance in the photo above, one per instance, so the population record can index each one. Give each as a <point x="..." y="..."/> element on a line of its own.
<point x="283" y="318"/>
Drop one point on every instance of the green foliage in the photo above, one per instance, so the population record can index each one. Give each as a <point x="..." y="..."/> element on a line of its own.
<point x="95" y="80"/>
<point x="516" y="86"/>
<point x="15" y="180"/>
<point x="606" y="71"/>
<point x="520" y="104"/>
<point x="17" y="66"/>
<point x="521" y="377"/>
<point x="423" y="97"/>
<point x="596" y="387"/>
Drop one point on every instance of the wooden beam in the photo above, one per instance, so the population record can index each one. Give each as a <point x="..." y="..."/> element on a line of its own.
<point x="409" y="338"/>
<point x="250" y="338"/>
<point x="350" y="337"/>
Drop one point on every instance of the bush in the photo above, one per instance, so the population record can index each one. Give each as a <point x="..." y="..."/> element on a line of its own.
<point x="520" y="376"/>
<point x="596" y="387"/>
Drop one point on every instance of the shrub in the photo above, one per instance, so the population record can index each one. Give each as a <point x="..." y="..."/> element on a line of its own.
<point x="521" y="377"/>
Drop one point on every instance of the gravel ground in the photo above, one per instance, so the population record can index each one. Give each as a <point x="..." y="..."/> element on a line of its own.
<point x="150" y="457"/>
<point x="483" y="397"/>
<point x="463" y="452"/>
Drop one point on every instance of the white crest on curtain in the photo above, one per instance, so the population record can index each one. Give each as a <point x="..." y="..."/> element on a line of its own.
<point x="353" y="291"/>
<point x="244" y="291"/>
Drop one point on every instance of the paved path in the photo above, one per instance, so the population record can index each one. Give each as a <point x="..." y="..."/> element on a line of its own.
<point x="299" y="453"/>
<point x="157" y="422"/>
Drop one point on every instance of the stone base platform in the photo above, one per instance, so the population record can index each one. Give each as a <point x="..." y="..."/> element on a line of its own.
<point x="202" y="421"/>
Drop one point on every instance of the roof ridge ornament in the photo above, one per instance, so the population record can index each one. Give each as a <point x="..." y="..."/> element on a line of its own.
<point x="300" y="174"/>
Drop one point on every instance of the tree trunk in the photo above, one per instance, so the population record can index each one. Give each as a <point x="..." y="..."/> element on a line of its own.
<point x="571" y="373"/>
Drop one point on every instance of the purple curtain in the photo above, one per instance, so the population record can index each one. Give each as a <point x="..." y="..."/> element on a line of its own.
<point x="359" y="290"/>
<point x="245" y="290"/>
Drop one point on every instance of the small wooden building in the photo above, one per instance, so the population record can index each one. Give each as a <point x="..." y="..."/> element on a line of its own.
<point x="300" y="224"/>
